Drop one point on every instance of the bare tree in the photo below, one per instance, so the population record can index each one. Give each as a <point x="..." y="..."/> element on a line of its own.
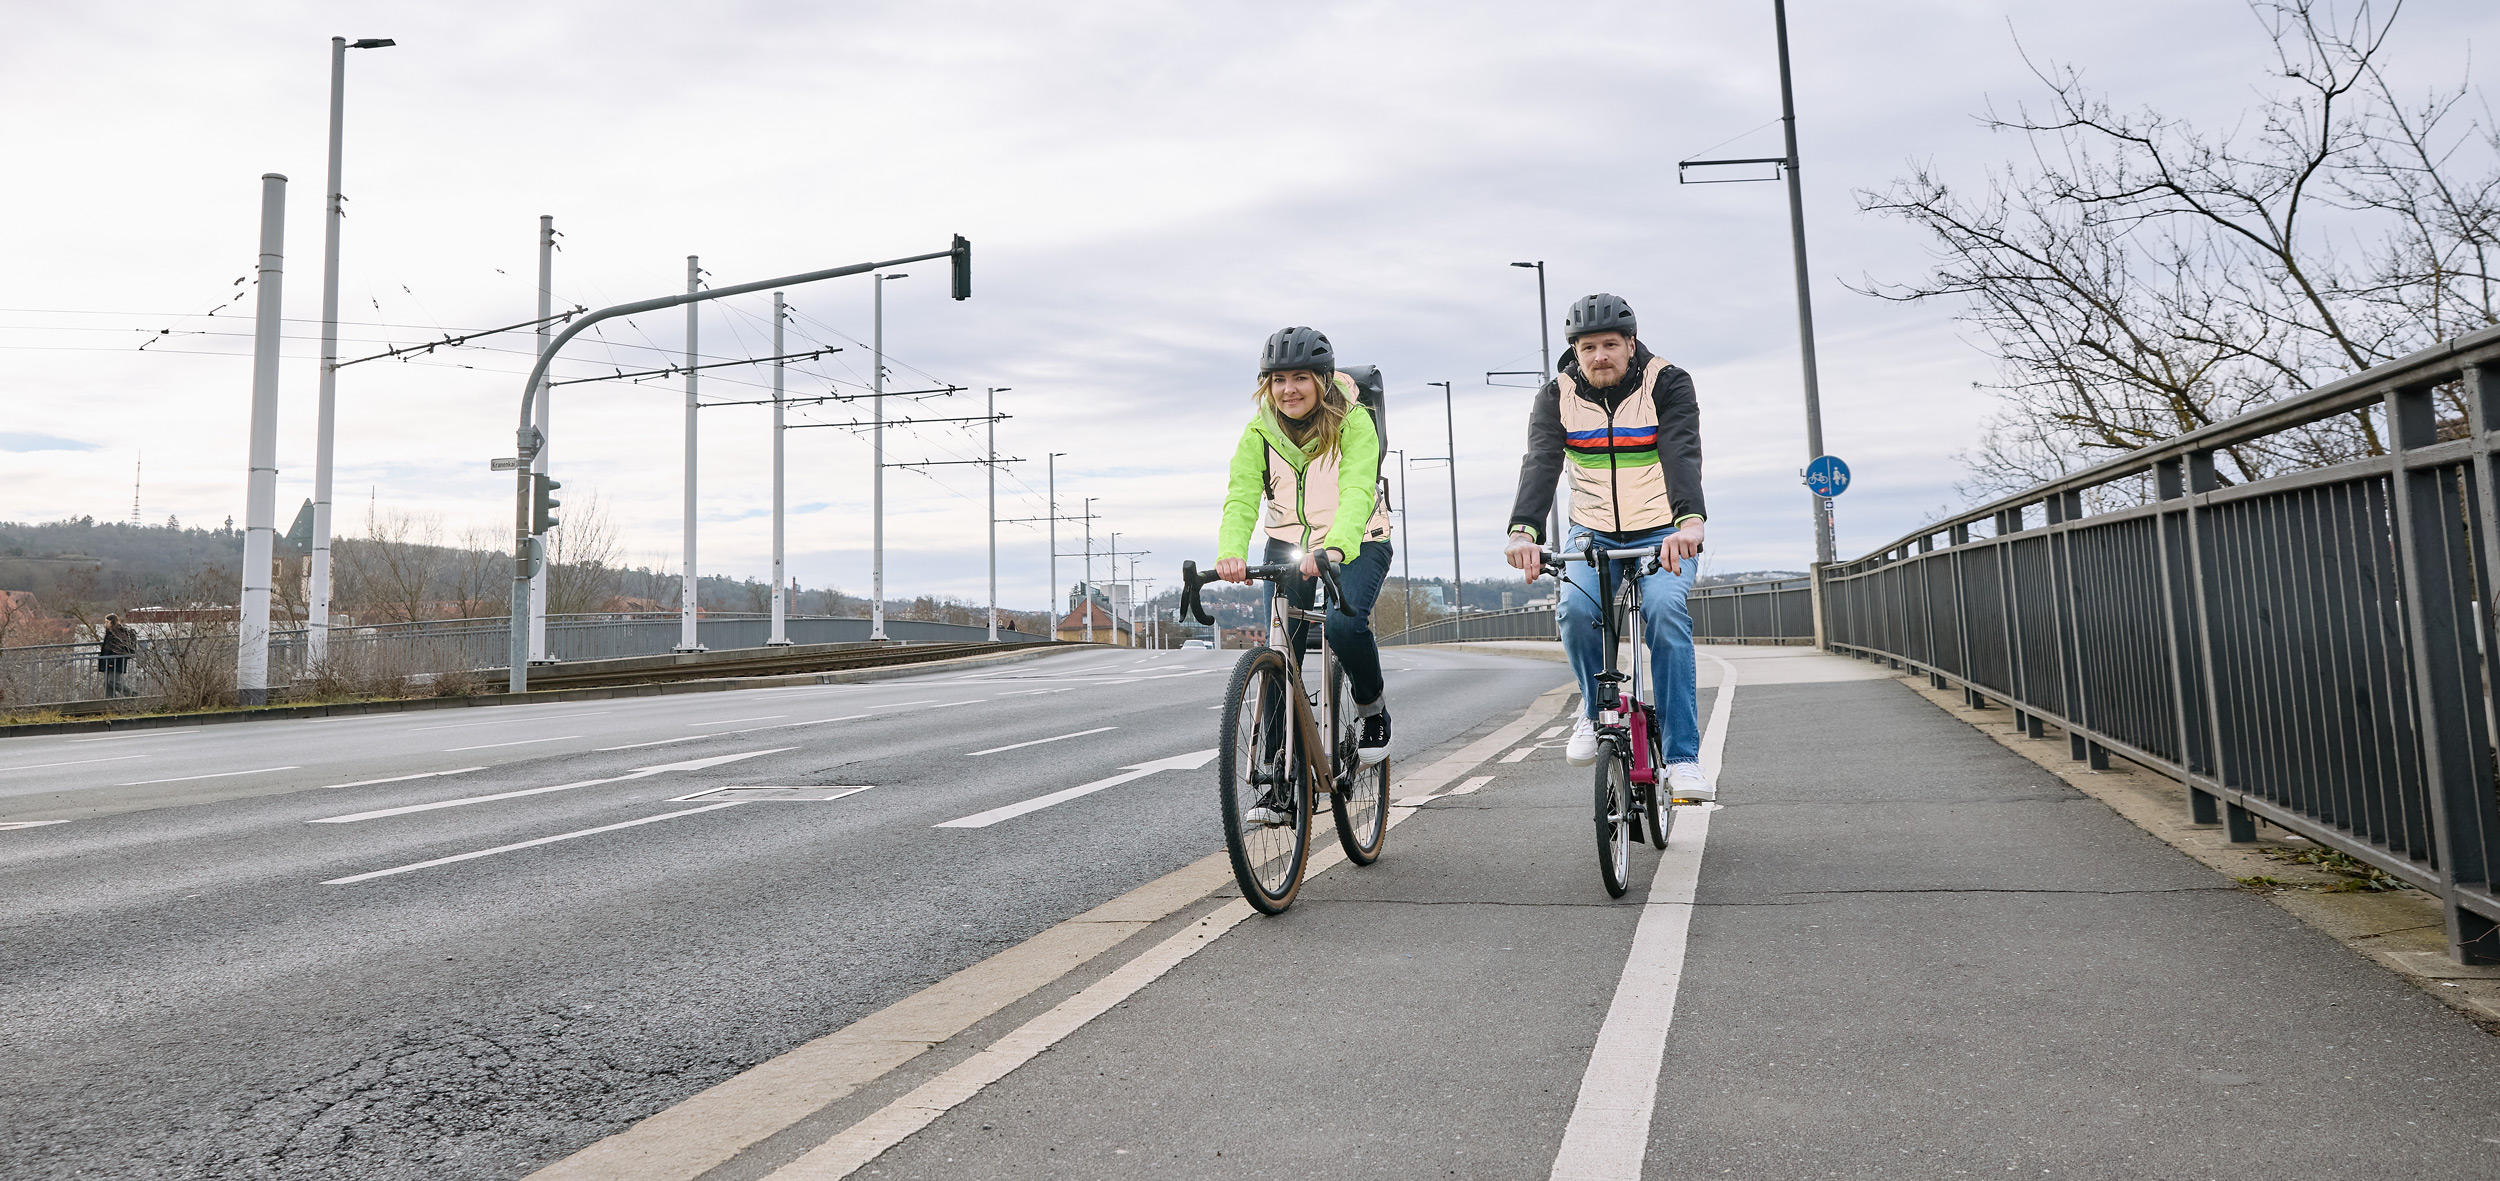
<point x="481" y="575"/>
<point x="582" y="553"/>
<point x="393" y="569"/>
<point x="2138" y="277"/>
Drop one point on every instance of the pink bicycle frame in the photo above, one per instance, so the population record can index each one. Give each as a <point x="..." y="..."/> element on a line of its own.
<point x="1642" y="771"/>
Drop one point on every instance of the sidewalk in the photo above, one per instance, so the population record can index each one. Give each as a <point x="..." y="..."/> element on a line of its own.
<point x="1912" y="954"/>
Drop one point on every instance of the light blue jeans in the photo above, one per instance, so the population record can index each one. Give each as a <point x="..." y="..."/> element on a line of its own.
<point x="1667" y="627"/>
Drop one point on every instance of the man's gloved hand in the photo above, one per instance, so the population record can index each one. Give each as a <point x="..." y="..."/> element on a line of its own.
<point x="1681" y="544"/>
<point x="1524" y="555"/>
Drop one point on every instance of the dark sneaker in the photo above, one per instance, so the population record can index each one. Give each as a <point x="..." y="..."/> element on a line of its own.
<point x="1375" y="742"/>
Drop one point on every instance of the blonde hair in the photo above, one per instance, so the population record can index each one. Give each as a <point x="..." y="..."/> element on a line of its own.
<point x="1325" y="425"/>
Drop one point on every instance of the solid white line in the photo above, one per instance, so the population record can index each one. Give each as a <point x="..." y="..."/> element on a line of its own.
<point x="453" y="750"/>
<point x="966" y="701"/>
<point x="31" y="823"/>
<point x="72" y="763"/>
<point x="1037" y="742"/>
<point x="401" y="778"/>
<point x="501" y="721"/>
<point x="636" y="773"/>
<point x="566" y="836"/>
<point x="218" y="775"/>
<point x="1609" y="1130"/>
<point x="150" y="734"/>
<point x="734" y="721"/>
<point x="864" y="1141"/>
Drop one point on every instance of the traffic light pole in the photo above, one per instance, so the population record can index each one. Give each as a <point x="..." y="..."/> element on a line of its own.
<point x="528" y="440"/>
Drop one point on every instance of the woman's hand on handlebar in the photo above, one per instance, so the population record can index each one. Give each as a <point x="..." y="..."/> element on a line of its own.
<point x="1232" y="569"/>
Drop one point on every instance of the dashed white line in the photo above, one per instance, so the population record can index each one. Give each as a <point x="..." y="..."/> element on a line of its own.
<point x="562" y="836"/>
<point x="402" y="778"/>
<point x="509" y="721"/>
<point x="966" y="701"/>
<point x="735" y="721"/>
<point x="1187" y="762"/>
<point x="31" y="823"/>
<point x="637" y="773"/>
<point x="1038" y="741"/>
<point x="1516" y="755"/>
<point x="453" y="750"/>
<point x="72" y="763"/>
<point x="217" y="775"/>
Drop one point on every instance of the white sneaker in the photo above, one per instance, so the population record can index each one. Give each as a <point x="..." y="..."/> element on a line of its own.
<point x="1686" y="782"/>
<point x="1583" y="748"/>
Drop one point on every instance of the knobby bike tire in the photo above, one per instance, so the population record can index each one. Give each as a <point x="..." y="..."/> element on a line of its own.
<point x="1361" y="798"/>
<point x="1654" y="798"/>
<point x="1267" y="860"/>
<point x="1614" y="817"/>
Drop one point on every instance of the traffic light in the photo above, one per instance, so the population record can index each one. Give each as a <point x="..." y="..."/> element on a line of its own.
<point x="963" y="267"/>
<point x="543" y="503"/>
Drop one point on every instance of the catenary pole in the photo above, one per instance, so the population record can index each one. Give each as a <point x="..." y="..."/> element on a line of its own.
<point x="1052" y="494"/>
<point x="325" y="443"/>
<point x="1545" y="373"/>
<point x="876" y="577"/>
<point x="689" y="638"/>
<point x="546" y="415"/>
<point x="260" y="500"/>
<point x="1458" y="576"/>
<point x="781" y="583"/>
<point x="1823" y="541"/>
<point x="1085" y="590"/>
<point x="989" y="411"/>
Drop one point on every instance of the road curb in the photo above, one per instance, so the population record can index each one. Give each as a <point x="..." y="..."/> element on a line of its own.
<point x="416" y="704"/>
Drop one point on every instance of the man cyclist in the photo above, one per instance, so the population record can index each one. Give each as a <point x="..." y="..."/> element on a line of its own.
<point x="1626" y="426"/>
<point x="1306" y="473"/>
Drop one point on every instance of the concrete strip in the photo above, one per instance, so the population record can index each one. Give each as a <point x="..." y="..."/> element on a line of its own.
<point x="716" y="1124"/>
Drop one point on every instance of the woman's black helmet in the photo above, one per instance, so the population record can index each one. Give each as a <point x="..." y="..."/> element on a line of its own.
<point x="1298" y="348"/>
<point x="1599" y="313"/>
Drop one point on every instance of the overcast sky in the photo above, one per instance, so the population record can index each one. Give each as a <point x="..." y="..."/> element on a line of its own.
<point x="1151" y="189"/>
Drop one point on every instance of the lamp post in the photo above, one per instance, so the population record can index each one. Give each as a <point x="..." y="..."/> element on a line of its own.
<point x="1545" y="373"/>
<point x="989" y="411"/>
<point x="325" y="446"/>
<point x="876" y="577"/>
<point x="1458" y="577"/>
<point x="1406" y="559"/>
<point x="689" y="637"/>
<point x="1085" y="591"/>
<point x="1052" y="492"/>
<point x="781" y="583"/>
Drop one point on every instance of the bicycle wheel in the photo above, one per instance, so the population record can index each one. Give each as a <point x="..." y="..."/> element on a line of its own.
<point x="1361" y="798"/>
<point x="1258" y="765"/>
<point x="1654" y="797"/>
<point x="1614" y="819"/>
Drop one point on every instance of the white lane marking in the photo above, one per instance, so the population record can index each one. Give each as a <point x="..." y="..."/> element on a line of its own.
<point x="1462" y="789"/>
<point x="1038" y="741"/>
<point x="966" y="701"/>
<point x="1188" y="762"/>
<point x="72" y="763"/>
<point x="151" y="734"/>
<point x="352" y="879"/>
<point x="653" y="742"/>
<point x="864" y="1141"/>
<point x="734" y="721"/>
<point x="1516" y="755"/>
<point x="218" y="775"/>
<point x="453" y="750"/>
<point x="816" y="722"/>
<point x="1609" y="1130"/>
<point x="816" y="795"/>
<point x="636" y="773"/>
<point x="30" y="823"/>
<point x="724" y="733"/>
<point x="500" y="721"/>
<point x="1553" y="732"/>
<point x="901" y="704"/>
<point x="402" y="778"/>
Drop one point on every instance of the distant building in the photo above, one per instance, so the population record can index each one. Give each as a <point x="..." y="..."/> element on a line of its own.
<point x="1108" y="629"/>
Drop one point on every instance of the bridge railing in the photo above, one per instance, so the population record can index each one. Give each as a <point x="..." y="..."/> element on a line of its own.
<point x="53" y="674"/>
<point x="2304" y="649"/>
<point x="1763" y="611"/>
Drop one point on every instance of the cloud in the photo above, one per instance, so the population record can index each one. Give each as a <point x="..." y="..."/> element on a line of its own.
<point x="27" y="441"/>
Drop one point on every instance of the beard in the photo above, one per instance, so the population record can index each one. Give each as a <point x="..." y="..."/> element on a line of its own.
<point x="1604" y="378"/>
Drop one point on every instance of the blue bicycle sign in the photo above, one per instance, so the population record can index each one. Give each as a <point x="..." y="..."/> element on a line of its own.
<point x="1827" y="476"/>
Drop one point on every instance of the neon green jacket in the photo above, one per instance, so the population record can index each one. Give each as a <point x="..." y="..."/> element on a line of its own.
<point x="1333" y="498"/>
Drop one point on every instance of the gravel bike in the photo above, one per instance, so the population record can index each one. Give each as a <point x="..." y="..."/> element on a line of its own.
<point x="1631" y="777"/>
<point x="1284" y="747"/>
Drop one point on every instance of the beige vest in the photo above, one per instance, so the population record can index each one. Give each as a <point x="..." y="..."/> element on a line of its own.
<point x="1618" y="484"/>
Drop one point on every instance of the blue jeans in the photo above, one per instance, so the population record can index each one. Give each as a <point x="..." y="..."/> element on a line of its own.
<point x="1667" y="627"/>
<point x="1349" y="636"/>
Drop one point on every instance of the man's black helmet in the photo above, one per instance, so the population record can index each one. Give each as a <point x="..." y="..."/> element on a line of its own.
<point x="1298" y="348"/>
<point x="1599" y="313"/>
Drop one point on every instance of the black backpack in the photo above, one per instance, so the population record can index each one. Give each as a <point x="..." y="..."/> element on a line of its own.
<point x="1373" y="393"/>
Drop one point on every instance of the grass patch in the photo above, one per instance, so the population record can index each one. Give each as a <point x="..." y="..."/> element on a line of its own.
<point x="2360" y="877"/>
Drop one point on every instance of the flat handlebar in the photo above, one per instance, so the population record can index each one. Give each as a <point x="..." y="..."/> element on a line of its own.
<point x="1279" y="572"/>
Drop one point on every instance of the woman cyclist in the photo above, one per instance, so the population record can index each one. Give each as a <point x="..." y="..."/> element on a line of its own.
<point x="1309" y="464"/>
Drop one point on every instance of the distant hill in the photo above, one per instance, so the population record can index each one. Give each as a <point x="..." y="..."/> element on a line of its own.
<point x="67" y="563"/>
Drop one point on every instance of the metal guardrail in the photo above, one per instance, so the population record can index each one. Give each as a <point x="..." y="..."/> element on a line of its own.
<point x="53" y="674"/>
<point x="1523" y="623"/>
<point x="2306" y="649"/>
<point x="1764" y="611"/>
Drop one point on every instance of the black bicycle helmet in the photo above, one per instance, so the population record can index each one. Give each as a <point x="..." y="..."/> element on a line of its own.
<point x="1599" y="313"/>
<point x="1298" y="348"/>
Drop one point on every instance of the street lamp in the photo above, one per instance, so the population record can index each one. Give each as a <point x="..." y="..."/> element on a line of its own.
<point x="876" y="608"/>
<point x="1406" y="557"/>
<point x="317" y="641"/>
<point x="1545" y="373"/>
<point x="989" y="412"/>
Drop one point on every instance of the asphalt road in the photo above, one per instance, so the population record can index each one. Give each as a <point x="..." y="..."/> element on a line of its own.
<point x="467" y="943"/>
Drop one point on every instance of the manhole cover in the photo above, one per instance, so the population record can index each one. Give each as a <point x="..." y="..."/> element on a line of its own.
<point x="778" y="794"/>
